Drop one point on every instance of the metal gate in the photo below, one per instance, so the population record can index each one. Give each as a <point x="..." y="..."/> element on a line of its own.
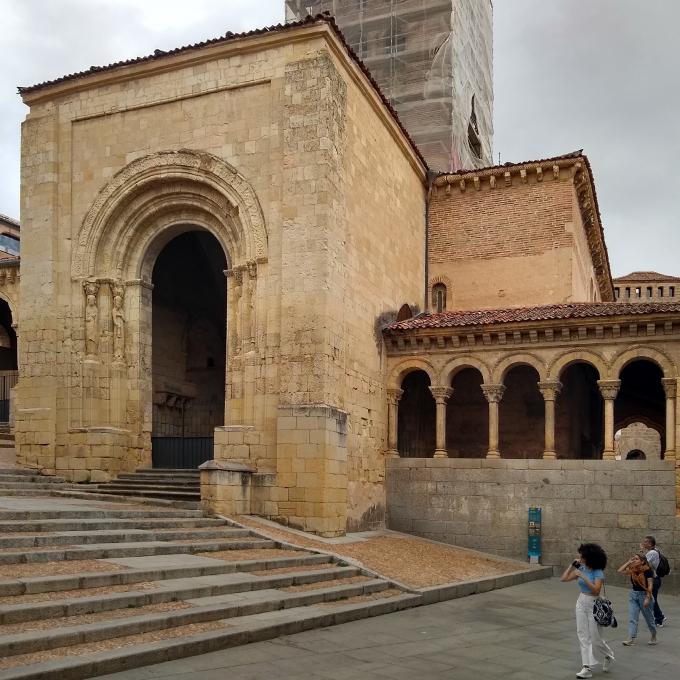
<point x="8" y="379"/>
<point x="181" y="437"/>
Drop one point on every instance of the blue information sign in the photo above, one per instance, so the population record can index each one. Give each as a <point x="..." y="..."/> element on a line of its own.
<point x="534" y="537"/>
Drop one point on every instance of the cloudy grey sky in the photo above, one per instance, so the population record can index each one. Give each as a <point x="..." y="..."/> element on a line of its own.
<point x="602" y="75"/>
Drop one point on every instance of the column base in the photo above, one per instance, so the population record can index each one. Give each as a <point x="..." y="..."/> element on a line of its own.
<point x="609" y="455"/>
<point x="391" y="453"/>
<point x="549" y="455"/>
<point x="493" y="454"/>
<point x="669" y="455"/>
<point x="441" y="453"/>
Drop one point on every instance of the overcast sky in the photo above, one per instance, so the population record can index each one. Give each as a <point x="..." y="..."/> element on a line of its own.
<point x="602" y="75"/>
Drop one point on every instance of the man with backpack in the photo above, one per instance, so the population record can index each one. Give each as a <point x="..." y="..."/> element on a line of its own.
<point x="659" y="564"/>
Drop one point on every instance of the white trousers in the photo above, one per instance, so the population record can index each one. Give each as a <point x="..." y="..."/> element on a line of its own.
<point x="588" y="632"/>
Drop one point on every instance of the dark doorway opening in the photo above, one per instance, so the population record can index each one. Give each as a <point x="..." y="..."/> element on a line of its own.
<point x="417" y="417"/>
<point x="189" y="349"/>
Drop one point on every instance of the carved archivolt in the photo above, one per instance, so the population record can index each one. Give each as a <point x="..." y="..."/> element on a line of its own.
<point x="163" y="194"/>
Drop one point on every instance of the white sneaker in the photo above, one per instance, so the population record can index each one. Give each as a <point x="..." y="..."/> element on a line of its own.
<point x="629" y="643"/>
<point x="585" y="672"/>
<point x="607" y="663"/>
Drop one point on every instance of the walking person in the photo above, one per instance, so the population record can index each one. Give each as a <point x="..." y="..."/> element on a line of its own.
<point x="640" y="597"/>
<point x="648" y="546"/>
<point x="588" y="571"/>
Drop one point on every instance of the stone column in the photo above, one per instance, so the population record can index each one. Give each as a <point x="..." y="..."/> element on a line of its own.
<point x="441" y="396"/>
<point x="609" y="389"/>
<point x="670" y="386"/>
<point x="550" y="389"/>
<point x="393" y="397"/>
<point x="493" y="394"/>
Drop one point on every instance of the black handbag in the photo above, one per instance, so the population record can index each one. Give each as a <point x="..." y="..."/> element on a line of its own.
<point x="603" y="612"/>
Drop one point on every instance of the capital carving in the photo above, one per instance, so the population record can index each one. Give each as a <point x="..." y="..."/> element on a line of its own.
<point x="441" y="394"/>
<point x="394" y="395"/>
<point x="252" y="269"/>
<point x="609" y="388"/>
<point x="493" y="393"/>
<point x="670" y="387"/>
<point x="550" y="389"/>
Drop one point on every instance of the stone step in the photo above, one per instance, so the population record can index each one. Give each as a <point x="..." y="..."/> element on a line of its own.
<point x="60" y="525"/>
<point x="172" y="471"/>
<point x="149" y="486"/>
<point x="18" y="477"/>
<point x="228" y="607"/>
<point x="122" y="536"/>
<point x="25" y="491"/>
<point x="243" y="630"/>
<point x="38" y="485"/>
<point x="188" y="475"/>
<point x="107" y="513"/>
<point x="168" y="495"/>
<point x="231" y="589"/>
<point x="99" y="579"/>
<point x="163" y="481"/>
<point x="105" y="551"/>
<point x="19" y="471"/>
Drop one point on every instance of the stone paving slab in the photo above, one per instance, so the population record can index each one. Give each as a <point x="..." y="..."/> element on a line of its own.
<point x="524" y="632"/>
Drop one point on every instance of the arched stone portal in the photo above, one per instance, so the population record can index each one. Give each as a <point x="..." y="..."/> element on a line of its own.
<point x="188" y="349"/>
<point x="417" y="417"/>
<point x="521" y="414"/>
<point x="467" y="416"/>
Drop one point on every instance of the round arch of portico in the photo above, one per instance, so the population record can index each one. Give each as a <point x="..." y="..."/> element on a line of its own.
<point x="656" y="356"/>
<point x="12" y="308"/>
<point x="460" y="363"/>
<point x="155" y="198"/>
<point x="563" y="362"/>
<point x="403" y="368"/>
<point x="506" y="363"/>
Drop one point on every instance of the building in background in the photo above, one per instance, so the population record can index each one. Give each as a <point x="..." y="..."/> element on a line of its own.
<point x="9" y="238"/>
<point x="647" y="287"/>
<point x="433" y="61"/>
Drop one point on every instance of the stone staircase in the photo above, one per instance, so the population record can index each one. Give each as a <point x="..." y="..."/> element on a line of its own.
<point x="93" y="590"/>
<point x="21" y="482"/>
<point x="167" y="484"/>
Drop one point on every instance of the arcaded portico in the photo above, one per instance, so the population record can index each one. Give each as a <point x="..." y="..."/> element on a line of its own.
<point x="542" y="400"/>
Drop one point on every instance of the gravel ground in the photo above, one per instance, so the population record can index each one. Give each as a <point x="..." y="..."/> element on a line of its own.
<point x="115" y="643"/>
<point x="83" y="592"/>
<point x="81" y="619"/>
<point x="57" y="568"/>
<point x="410" y="560"/>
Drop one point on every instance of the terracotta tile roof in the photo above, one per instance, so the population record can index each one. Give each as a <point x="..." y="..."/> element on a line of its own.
<point x="9" y="220"/>
<point x="641" y="277"/>
<point x="229" y="37"/>
<point x="572" y="310"/>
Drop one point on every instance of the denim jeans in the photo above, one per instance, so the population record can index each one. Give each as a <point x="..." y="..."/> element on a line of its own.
<point x="635" y="606"/>
<point x="658" y="614"/>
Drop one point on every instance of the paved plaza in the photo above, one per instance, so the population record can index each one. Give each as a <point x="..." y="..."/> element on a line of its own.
<point x="523" y="632"/>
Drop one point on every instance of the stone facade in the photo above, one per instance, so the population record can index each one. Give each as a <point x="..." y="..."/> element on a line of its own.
<point x="266" y="143"/>
<point x="482" y="504"/>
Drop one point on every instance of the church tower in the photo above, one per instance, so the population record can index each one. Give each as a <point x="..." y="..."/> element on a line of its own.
<point x="433" y="61"/>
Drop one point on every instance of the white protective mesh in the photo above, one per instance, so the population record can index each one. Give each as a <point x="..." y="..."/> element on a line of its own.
<point x="433" y="61"/>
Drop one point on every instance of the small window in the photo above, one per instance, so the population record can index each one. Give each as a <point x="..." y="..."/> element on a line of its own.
<point x="439" y="297"/>
<point x="638" y="292"/>
<point x="660" y="291"/>
<point x="617" y="293"/>
<point x="649" y="291"/>
<point x="671" y="291"/>
<point x="627" y="292"/>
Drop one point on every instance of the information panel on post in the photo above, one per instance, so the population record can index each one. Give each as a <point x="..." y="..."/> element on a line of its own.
<point x="534" y="536"/>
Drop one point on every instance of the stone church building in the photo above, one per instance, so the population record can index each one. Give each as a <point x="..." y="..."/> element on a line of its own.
<point x="234" y="256"/>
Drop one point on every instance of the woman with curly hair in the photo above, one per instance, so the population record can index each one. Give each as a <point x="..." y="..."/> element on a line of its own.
<point x="640" y="598"/>
<point x="588" y="571"/>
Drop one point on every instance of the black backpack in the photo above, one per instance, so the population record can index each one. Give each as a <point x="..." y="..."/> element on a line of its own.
<point x="664" y="568"/>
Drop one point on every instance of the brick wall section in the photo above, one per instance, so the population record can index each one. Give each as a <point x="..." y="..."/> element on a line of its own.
<point x="482" y="504"/>
<point x="521" y="244"/>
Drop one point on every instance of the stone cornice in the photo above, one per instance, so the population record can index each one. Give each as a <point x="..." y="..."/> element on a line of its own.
<point x="528" y="334"/>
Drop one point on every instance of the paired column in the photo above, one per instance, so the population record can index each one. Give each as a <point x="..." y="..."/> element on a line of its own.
<point x="393" y="397"/>
<point x="670" y="386"/>
<point x="493" y="394"/>
<point x="441" y="396"/>
<point x="550" y="389"/>
<point x="609" y="389"/>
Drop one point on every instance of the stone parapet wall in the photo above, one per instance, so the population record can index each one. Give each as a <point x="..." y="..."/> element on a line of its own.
<point x="483" y="504"/>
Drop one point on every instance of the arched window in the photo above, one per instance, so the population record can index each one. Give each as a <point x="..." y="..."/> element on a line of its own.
<point x="439" y="297"/>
